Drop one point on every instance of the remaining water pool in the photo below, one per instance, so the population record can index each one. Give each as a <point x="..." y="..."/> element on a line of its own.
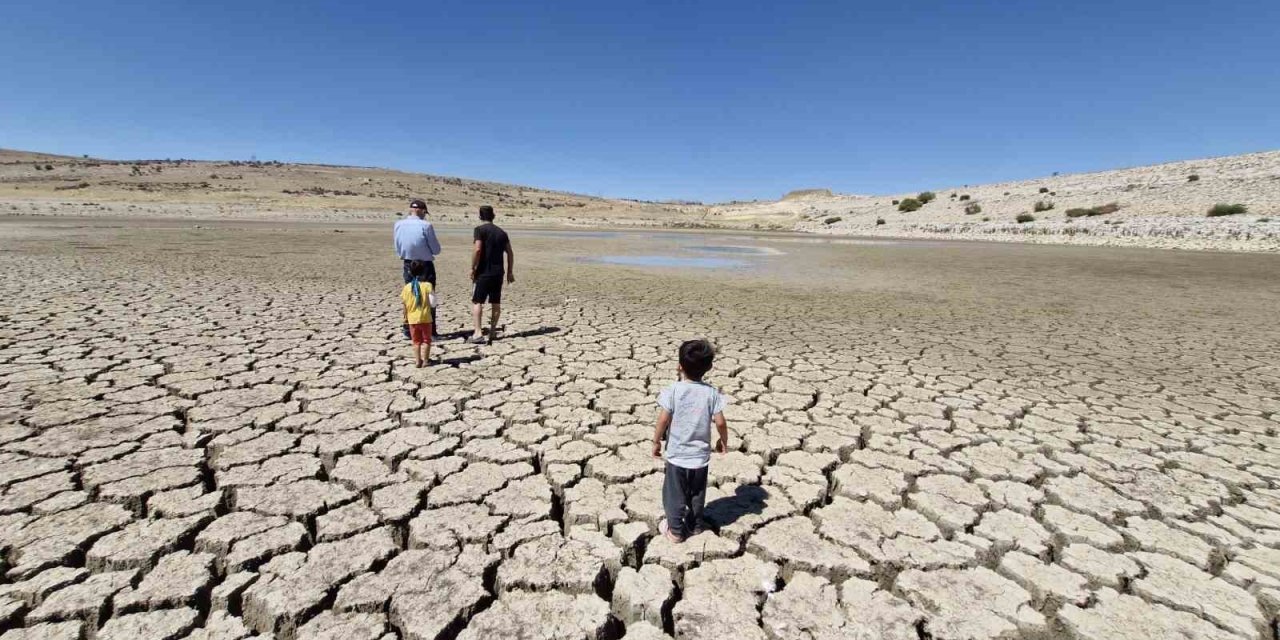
<point x="568" y="233"/>
<point x="737" y="250"/>
<point x="669" y="261"/>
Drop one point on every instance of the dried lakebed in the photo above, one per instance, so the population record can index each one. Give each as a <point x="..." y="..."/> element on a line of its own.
<point x="216" y="432"/>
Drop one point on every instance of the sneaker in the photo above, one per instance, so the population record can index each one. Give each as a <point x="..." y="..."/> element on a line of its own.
<point x="476" y="340"/>
<point x="666" y="531"/>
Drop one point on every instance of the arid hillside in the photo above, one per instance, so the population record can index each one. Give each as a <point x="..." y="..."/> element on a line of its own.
<point x="1164" y="205"/>
<point x="1157" y="205"/>
<point x="47" y="184"/>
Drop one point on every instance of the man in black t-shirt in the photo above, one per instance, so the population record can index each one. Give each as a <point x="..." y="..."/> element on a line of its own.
<point x="491" y="245"/>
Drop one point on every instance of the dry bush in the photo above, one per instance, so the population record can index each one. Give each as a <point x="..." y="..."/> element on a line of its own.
<point x="1226" y="210"/>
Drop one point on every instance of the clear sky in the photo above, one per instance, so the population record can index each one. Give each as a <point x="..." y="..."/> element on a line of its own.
<point x="693" y="100"/>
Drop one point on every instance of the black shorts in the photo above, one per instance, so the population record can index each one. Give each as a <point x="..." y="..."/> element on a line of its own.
<point x="488" y="289"/>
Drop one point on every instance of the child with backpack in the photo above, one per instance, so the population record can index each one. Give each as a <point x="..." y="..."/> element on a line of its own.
<point x="419" y="299"/>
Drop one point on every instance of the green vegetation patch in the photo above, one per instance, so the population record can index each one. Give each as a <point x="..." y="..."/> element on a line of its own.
<point x="1221" y="209"/>
<point x="1100" y="210"/>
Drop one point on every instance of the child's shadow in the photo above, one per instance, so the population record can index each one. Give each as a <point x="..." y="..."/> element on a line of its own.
<point x="746" y="500"/>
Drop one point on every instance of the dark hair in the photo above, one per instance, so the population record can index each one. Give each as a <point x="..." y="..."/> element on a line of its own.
<point x="486" y="213"/>
<point x="417" y="204"/>
<point x="696" y="357"/>
<point x="417" y="268"/>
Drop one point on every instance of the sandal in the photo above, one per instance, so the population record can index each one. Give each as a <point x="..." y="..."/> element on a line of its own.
<point x="666" y="531"/>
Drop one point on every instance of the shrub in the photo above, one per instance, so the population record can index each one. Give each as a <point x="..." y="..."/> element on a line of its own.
<point x="1006" y="193"/>
<point x="1100" y="210"/>
<point x="1226" y="210"/>
<point x="1042" y="206"/>
<point x="926" y="197"/>
<point x="1193" y="178"/>
<point x="48" y="167"/>
<point x="964" y="197"/>
<point x="1044" y="189"/>
<point x="895" y="202"/>
<point x="880" y="221"/>
<point x="1264" y="219"/>
<point x="1025" y="217"/>
<point x="832" y="220"/>
<point x="910" y="204"/>
<point x="986" y="219"/>
<point x="972" y="209"/>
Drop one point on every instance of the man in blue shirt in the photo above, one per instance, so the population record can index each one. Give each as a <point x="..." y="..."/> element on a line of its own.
<point x="416" y="240"/>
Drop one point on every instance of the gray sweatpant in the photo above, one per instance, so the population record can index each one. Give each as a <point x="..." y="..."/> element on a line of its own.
<point x="684" y="492"/>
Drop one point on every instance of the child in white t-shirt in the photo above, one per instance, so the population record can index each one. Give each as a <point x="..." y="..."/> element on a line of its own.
<point x="688" y="408"/>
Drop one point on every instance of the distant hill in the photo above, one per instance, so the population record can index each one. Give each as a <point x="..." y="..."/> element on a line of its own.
<point x="1151" y="201"/>
<point x="10" y="156"/>
<point x="808" y="193"/>
<point x="274" y="188"/>
<point x="1157" y="205"/>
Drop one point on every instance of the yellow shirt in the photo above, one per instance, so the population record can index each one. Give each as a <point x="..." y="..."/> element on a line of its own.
<point x="415" y="313"/>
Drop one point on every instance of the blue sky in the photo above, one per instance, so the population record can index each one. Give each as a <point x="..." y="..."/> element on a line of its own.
<point x="695" y="100"/>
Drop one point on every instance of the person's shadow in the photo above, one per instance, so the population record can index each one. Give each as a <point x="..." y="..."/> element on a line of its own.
<point x="459" y="360"/>
<point x="527" y="333"/>
<point x="746" y="499"/>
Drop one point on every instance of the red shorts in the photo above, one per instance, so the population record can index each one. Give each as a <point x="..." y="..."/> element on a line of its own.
<point x="420" y="333"/>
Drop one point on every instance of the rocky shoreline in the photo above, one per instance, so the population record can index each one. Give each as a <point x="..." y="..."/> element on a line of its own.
<point x="1188" y="234"/>
<point x="1185" y="234"/>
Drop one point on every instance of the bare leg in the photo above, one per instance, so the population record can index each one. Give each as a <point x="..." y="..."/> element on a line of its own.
<point x="477" y="313"/>
<point x="493" y="321"/>
<point x="426" y="352"/>
<point x="417" y="354"/>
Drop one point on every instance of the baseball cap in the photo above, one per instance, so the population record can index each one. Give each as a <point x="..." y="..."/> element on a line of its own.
<point x="417" y="204"/>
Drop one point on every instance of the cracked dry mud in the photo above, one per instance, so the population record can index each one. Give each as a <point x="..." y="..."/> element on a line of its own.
<point x="218" y="433"/>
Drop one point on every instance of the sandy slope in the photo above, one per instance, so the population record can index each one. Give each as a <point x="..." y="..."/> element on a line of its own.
<point x="183" y="188"/>
<point x="1159" y="205"/>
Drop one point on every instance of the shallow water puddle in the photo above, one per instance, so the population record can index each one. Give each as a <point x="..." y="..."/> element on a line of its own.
<point x="738" y="250"/>
<point x="568" y="233"/>
<point x="669" y="261"/>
